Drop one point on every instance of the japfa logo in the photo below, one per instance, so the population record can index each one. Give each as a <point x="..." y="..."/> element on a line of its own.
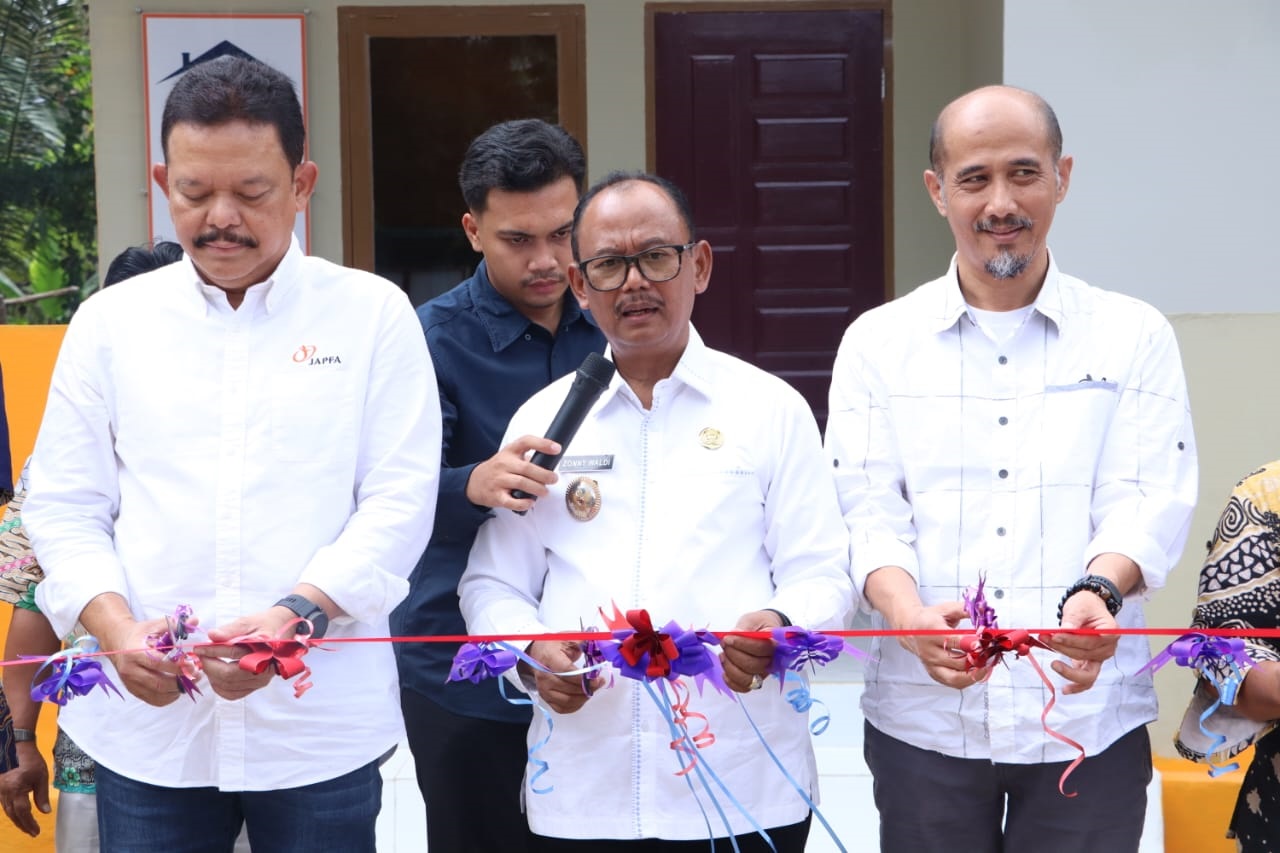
<point x="306" y="354"/>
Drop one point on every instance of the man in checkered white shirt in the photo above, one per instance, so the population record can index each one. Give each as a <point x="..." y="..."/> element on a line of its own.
<point x="1009" y="421"/>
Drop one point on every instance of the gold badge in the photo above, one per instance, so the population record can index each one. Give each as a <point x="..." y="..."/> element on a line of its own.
<point x="582" y="497"/>
<point x="711" y="439"/>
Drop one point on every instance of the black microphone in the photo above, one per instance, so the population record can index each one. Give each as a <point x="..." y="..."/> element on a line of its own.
<point x="592" y="378"/>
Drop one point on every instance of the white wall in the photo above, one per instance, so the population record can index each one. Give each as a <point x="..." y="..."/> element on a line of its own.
<point x="1169" y="107"/>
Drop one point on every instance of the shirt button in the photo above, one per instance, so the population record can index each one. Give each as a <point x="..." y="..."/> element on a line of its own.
<point x="999" y="531"/>
<point x="1181" y="446"/>
<point x="528" y="337"/>
<point x="1003" y="421"/>
<point x="1002" y="360"/>
<point x="999" y="593"/>
<point x="1004" y="474"/>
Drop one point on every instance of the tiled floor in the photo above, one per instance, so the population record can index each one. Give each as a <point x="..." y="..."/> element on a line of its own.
<point x="845" y="783"/>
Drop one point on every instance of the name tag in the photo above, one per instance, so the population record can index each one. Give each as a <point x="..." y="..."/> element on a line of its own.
<point x="572" y="464"/>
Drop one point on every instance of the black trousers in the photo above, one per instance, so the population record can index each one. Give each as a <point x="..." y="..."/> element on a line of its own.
<point x="470" y="772"/>
<point x="934" y="803"/>
<point x="787" y="839"/>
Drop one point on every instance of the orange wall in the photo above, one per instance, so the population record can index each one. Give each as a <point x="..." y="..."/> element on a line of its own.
<point x="27" y="354"/>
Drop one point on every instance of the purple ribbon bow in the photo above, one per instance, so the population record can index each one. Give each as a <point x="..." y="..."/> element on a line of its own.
<point x="1199" y="651"/>
<point x="795" y="648"/>
<point x="72" y="674"/>
<point x="476" y="662"/>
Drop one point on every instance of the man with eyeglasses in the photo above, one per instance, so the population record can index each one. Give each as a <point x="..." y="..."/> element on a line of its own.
<point x="695" y="489"/>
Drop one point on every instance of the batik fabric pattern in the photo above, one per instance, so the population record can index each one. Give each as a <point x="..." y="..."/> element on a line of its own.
<point x="1240" y="589"/>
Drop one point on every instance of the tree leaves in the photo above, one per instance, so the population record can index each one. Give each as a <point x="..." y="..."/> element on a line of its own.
<point x="48" y="216"/>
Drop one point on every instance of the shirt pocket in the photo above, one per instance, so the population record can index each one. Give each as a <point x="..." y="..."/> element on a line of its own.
<point x="312" y="415"/>
<point x="1076" y="419"/>
<point x="715" y="482"/>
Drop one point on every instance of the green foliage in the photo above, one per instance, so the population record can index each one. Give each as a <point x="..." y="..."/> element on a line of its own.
<point x="48" y="216"/>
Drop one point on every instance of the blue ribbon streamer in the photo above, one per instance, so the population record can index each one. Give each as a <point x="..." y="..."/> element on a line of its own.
<point x="802" y="701"/>
<point x="794" y="784"/>
<point x="663" y="701"/>
<point x="540" y="765"/>
<point x="1215" y="770"/>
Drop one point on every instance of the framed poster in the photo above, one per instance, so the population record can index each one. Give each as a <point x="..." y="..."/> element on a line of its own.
<point x="172" y="43"/>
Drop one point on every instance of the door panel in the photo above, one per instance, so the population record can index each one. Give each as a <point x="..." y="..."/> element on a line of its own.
<point x="417" y="84"/>
<point x="774" y="123"/>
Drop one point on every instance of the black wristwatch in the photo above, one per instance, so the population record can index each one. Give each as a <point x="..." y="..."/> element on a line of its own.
<point x="309" y="610"/>
<point x="1102" y="587"/>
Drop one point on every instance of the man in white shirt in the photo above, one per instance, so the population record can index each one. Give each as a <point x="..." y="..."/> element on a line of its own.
<point x="696" y="490"/>
<point x="1008" y="420"/>
<point x="256" y="434"/>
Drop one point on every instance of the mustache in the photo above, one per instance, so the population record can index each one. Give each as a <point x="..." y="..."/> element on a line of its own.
<point x="222" y="235"/>
<point x="555" y="275"/>
<point x="992" y="223"/>
<point x="636" y="303"/>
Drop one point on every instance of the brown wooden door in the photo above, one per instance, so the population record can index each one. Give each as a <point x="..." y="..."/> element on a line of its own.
<point x="774" y="123"/>
<point x="418" y="83"/>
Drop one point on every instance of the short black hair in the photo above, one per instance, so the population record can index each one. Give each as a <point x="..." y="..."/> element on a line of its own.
<point x="232" y="88"/>
<point x="1052" y="129"/>
<point x="136" y="260"/>
<point x="519" y="156"/>
<point x="613" y="179"/>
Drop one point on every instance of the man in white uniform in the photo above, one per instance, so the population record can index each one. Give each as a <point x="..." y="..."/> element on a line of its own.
<point x="696" y="490"/>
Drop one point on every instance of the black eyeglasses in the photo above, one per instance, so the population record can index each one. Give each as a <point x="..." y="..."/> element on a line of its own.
<point x="657" y="264"/>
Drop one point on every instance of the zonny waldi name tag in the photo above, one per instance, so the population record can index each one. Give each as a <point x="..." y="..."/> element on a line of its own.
<point x="571" y="464"/>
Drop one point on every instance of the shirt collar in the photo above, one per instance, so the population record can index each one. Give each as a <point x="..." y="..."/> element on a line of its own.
<point x="952" y="305"/>
<point x="503" y="323"/>
<point x="273" y="291"/>
<point x="694" y="369"/>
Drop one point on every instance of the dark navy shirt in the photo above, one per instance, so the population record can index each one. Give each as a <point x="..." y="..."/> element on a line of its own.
<point x="489" y="358"/>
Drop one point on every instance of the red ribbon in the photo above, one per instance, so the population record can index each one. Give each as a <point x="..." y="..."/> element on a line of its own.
<point x="1048" y="706"/>
<point x="988" y="646"/>
<point x="283" y="652"/>
<point x="660" y="648"/>
<point x="681" y="716"/>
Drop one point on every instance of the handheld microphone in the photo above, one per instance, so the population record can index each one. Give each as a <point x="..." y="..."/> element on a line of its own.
<point x="591" y="380"/>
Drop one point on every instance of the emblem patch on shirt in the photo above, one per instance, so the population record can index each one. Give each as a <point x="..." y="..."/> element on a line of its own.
<point x="582" y="497"/>
<point x="308" y="355"/>
<point x="711" y="439"/>
<point x="599" y="462"/>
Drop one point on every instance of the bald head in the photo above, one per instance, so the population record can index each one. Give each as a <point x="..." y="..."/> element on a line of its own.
<point x="983" y="100"/>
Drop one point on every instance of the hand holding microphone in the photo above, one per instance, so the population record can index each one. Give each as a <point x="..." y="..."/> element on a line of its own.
<point x="590" y="382"/>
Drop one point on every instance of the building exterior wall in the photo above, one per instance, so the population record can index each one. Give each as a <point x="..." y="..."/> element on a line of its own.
<point x="931" y="64"/>
<point x="1164" y="105"/>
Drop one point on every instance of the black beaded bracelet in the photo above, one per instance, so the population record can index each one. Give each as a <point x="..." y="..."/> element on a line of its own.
<point x="1100" y="586"/>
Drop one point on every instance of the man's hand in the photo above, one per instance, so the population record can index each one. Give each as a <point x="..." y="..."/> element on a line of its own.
<point x="936" y="651"/>
<point x="144" y="673"/>
<point x="1087" y="652"/>
<point x="221" y="662"/>
<point x="26" y="782"/>
<point x="493" y="480"/>
<point x="746" y="660"/>
<point x="562" y="694"/>
<point x="892" y="591"/>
